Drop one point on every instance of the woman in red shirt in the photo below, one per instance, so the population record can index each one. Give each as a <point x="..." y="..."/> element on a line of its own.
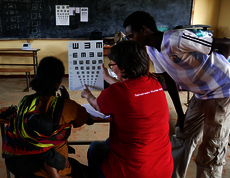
<point x="139" y="144"/>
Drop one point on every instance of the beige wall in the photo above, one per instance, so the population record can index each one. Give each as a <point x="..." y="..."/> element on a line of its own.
<point x="57" y="48"/>
<point x="206" y="12"/>
<point x="214" y="13"/>
<point x="224" y="19"/>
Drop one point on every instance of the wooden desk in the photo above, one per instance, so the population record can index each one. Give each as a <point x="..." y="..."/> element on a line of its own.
<point x="106" y="50"/>
<point x="18" y="52"/>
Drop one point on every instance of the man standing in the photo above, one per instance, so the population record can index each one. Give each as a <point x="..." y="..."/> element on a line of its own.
<point x="193" y="63"/>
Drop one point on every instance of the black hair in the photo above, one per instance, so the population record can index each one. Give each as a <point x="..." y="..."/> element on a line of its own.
<point x="131" y="57"/>
<point x="139" y="18"/>
<point x="50" y="72"/>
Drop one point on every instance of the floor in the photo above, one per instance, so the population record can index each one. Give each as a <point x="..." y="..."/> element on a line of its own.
<point x="11" y="91"/>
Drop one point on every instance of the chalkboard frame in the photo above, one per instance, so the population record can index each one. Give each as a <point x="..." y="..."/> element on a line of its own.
<point x="35" y="19"/>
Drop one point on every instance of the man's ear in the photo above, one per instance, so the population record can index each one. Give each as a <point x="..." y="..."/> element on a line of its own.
<point x="144" y="29"/>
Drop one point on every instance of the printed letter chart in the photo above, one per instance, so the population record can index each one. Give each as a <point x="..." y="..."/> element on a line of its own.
<point x="85" y="65"/>
<point x="62" y="14"/>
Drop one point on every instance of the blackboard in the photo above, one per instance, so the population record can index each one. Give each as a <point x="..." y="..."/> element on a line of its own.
<point x="35" y="19"/>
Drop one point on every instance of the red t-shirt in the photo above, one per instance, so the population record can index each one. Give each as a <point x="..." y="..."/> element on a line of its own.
<point x="139" y="128"/>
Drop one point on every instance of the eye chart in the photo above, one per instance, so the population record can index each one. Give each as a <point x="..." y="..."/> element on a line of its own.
<point x="62" y="14"/>
<point x="85" y="65"/>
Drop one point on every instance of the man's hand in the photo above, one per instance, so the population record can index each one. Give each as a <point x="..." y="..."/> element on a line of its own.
<point x="64" y="92"/>
<point x="180" y="122"/>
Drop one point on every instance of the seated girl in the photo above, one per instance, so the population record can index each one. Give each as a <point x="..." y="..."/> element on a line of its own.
<point x="35" y="143"/>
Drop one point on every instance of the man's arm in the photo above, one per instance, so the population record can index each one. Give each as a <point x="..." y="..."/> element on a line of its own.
<point x="222" y="46"/>
<point x="173" y="92"/>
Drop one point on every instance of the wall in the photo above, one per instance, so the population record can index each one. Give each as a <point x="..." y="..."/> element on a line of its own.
<point x="214" y="13"/>
<point x="206" y="12"/>
<point x="57" y="48"/>
<point x="224" y="20"/>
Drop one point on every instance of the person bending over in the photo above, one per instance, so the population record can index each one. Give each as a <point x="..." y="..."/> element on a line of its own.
<point x="199" y="65"/>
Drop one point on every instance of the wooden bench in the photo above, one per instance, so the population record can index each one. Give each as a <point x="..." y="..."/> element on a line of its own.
<point x="26" y="70"/>
<point x="19" y="52"/>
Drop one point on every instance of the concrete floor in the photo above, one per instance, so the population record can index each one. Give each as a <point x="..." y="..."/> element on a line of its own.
<point x="11" y="91"/>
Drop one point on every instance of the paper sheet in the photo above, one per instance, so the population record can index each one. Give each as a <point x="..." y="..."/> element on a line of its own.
<point x="72" y="10"/>
<point x="77" y="10"/>
<point x="94" y="112"/>
<point x="84" y="14"/>
<point x="62" y="14"/>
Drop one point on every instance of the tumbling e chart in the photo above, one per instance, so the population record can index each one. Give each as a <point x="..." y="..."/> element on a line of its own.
<point x="85" y="65"/>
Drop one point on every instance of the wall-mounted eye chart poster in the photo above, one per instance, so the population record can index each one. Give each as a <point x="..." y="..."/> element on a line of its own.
<point x="85" y="65"/>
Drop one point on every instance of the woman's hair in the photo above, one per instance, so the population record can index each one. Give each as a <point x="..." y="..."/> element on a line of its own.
<point x="50" y="72"/>
<point x="131" y="57"/>
<point x="139" y="18"/>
